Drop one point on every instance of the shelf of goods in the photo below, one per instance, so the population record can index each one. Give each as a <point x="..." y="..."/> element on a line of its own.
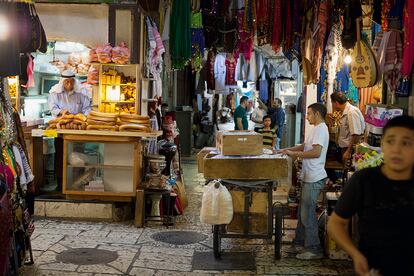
<point x="119" y="90"/>
<point x="102" y="165"/>
<point x="14" y="91"/>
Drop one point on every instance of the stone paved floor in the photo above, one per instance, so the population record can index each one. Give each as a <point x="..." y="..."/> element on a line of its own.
<point x="139" y="254"/>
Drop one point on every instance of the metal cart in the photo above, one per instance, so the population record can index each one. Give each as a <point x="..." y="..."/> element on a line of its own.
<point x="274" y="216"/>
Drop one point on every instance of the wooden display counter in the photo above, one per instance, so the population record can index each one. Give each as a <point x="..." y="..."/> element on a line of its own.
<point x="95" y="165"/>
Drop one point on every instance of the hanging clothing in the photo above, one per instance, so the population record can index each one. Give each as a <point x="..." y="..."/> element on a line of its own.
<point x="245" y="38"/>
<point x="385" y="9"/>
<point x="9" y="47"/>
<point x="180" y="33"/>
<point x="319" y="31"/>
<point x="211" y="58"/>
<point x="197" y="48"/>
<point x="264" y="35"/>
<point x="408" y="48"/>
<point x="277" y="35"/>
<point x="220" y="73"/>
<point x="230" y="70"/>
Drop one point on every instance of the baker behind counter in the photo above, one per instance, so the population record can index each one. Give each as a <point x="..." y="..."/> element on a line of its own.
<point x="68" y="96"/>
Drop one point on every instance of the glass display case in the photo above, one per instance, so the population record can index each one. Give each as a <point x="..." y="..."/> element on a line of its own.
<point x="100" y="168"/>
<point x="118" y="88"/>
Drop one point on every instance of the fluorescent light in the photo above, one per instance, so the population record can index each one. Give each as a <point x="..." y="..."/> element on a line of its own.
<point x="4" y="27"/>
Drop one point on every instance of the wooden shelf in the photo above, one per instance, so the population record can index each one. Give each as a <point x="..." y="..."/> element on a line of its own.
<point x="109" y="133"/>
<point x="96" y="193"/>
<point x="103" y="166"/>
<point x="122" y="84"/>
<point x="119" y="102"/>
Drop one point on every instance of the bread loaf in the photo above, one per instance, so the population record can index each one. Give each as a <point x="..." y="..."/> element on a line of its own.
<point x="104" y="115"/>
<point x="101" y="127"/>
<point x="134" y="127"/>
<point x="94" y="122"/>
<point x="103" y="119"/>
<point x="80" y="117"/>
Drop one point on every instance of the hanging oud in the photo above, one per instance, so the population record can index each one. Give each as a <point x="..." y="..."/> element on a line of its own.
<point x="363" y="66"/>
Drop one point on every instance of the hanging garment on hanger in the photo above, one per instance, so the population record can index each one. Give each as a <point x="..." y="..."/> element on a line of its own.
<point x="30" y="73"/>
<point x="408" y="48"/>
<point x="319" y="30"/>
<point x="180" y="33"/>
<point x="230" y="70"/>
<point x="220" y="73"/>
<point x="245" y="38"/>
<point x="277" y="35"/>
<point x="211" y="58"/>
<point x="264" y="35"/>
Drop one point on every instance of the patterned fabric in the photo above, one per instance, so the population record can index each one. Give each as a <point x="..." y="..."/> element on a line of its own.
<point x="230" y="70"/>
<point x="245" y="38"/>
<point x="264" y="36"/>
<point x="211" y="58"/>
<point x="277" y="23"/>
<point x="319" y="38"/>
<point x="408" y="50"/>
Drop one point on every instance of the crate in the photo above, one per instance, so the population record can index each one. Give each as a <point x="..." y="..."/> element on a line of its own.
<point x="239" y="142"/>
<point x="200" y="157"/>
<point x="261" y="167"/>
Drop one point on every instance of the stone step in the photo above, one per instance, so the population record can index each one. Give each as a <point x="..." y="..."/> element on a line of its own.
<point x="70" y="209"/>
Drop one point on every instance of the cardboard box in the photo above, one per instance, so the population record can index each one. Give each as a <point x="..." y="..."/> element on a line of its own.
<point x="379" y="114"/>
<point x="259" y="167"/>
<point x="200" y="157"/>
<point x="239" y="142"/>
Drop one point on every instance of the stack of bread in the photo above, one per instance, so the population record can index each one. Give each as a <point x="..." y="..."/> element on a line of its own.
<point x="132" y="122"/>
<point x="102" y="121"/>
<point x="69" y="121"/>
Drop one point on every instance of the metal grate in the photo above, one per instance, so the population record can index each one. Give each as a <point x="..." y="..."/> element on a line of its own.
<point x="87" y="256"/>
<point x="179" y="237"/>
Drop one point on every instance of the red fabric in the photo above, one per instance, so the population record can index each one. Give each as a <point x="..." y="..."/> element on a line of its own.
<point x="30" y="74"/>
<point x="230" y="71"/>
<point x="408" y="48"/>
<point x="277" y="26"/>
<point x="211" y="58"/>
<point x="245" y="39"/>
<point x="322" y="17"/>
<point x="288" y="26"/>
<point x="385" y="9"/>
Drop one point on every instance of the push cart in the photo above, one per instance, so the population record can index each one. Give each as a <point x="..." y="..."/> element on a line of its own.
<point x="247" y="223"/>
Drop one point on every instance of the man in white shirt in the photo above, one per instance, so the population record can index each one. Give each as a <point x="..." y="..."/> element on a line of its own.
<point x="258" y="114"/>
<point x="313" y="175"/>
<point x="352" y="124"/>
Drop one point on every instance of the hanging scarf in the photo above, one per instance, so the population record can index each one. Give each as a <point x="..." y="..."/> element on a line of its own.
<point x="408" y="48"/>
<point x="277" y="26"/>
<point x="262" y="15"/>
<point x="180" y="37"/>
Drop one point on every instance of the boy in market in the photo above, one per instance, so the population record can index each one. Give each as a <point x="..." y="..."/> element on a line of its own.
<point x="306" y="243"/>
<point x="269" y="134"/>
<point x="383" y="198"/>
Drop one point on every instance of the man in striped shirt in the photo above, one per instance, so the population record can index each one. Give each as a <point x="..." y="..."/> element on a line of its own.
<point x="269" y="134"/>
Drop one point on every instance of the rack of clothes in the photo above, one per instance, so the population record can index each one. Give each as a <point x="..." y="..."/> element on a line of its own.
<point x="16" y="200"/>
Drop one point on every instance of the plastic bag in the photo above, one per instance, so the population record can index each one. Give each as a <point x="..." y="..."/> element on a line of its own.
<point x="120" y="54"/>
<point x="93" y="75"/>
<point x="104" y="53"/>
<point x="216" y="205"/>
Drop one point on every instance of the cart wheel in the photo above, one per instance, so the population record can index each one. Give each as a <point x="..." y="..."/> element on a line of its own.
<point x="216" y="241"/>
<point x="278" y="233"/>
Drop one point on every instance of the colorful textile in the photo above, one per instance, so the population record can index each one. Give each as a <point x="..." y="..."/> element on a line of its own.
<point x="211" y="58"/>
<point x="264" y="35"/>
<point x="230" y="70"/>
<point x="319" y="32"/>
<point x="277" y="23"/>
<point x="180" y="33"/>
<point x="245" y="38"/>
<point x="408" y="50"/>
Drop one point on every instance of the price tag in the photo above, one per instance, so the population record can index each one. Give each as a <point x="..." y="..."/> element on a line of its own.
<point x="50" y="133"/>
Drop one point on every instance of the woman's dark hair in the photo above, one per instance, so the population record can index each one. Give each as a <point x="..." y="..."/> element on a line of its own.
<point x="400" y="121"/>
<point x="266" y="117"/>
<point x="339" y="97"/>
<point x="320" y="108"/>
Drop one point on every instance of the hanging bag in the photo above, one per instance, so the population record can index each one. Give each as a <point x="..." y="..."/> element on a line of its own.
<point x="39" y="41"/>
<point x="216" y="205"/>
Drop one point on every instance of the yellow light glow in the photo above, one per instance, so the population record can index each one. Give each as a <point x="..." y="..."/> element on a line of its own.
<point x="348" y="59"/>
<point x="4" y="27"/>
<point x="114" y="93"/>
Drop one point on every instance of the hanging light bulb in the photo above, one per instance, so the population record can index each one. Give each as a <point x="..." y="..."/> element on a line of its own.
<point x="348" y="58"/>
<point x="4" y="27"/>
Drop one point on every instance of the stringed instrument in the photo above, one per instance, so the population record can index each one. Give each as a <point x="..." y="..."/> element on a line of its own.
<point x="363" y="67"/>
